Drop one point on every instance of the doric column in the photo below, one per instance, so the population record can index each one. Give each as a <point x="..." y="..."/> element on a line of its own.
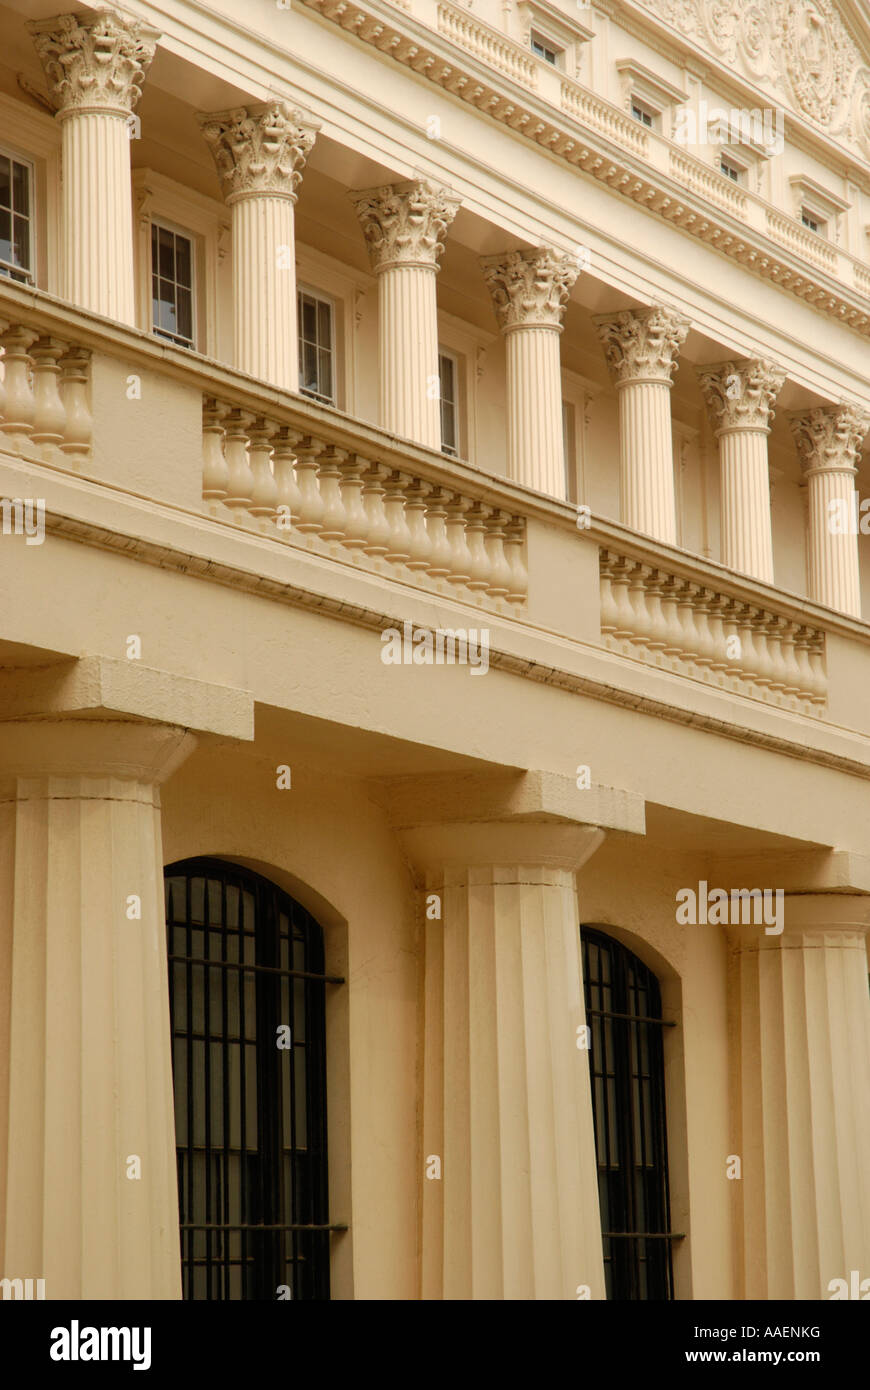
<point x="88" y="1194"/>
<point x="95" y="65"/>
<point x="260" y="152"/>
<point x="829" y="444"/>
<point x="529" y="291"/>
<point x="404" y="225"/>
<point x="801" y="1017"/>
<point x="740" y="398"/>
<point x="510" y="1209"/>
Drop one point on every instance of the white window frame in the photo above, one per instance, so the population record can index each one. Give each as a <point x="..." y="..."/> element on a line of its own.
<point x="205" y="221"/>
<point x="740" y="169"/>
<point x="454" y="358"/>
<point x="549" y="45"/>
<point x="322" y="297"/>
<point x="644" y="113"/>
<point x="33" y="137"/>
<point x="812" y="221"/>
<point x="190" y="236"/>
<point x="28" y="277"/>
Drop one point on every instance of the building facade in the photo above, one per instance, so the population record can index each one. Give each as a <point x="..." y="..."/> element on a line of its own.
<point x="434" y="736"/>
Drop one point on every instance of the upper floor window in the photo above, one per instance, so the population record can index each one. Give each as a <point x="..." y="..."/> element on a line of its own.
<point x="813" y="222"/>
<point x="626" y="1062"/>
<point x="172" y="307"/>
<point x="545" y="48"/>
<point x="16" y="217"/>
<point x="731" y="169"/>
<point x="448" y="375"/>
<point x="316" y="346"/>
<point x="643" y="113"/>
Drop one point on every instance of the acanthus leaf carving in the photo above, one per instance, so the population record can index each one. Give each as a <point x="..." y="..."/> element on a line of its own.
<point x="829" y="438"/>
<point x="741" y="395"/>
<point x="260" y="148"/>
<point x="642" y="344"/>
<point x="530" y="288"/>
<point x="405" y="223"/>
<point x="94" y="61"/>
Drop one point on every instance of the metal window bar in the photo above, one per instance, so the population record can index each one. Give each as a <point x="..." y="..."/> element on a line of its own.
<point x="252" y="1167"/>
<point x="627" y="1073"/>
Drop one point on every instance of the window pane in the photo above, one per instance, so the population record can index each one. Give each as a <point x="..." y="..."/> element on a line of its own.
<point x="325" y="364"/>
<point x="21" y="189"/>
<point x="324" y="324"/>
<point x="185" y="313"/>
<point x="5" y="235"/>
<point x="5" y="182"/>
<point x="165" y="256"/>
<point x="183" y="262"/>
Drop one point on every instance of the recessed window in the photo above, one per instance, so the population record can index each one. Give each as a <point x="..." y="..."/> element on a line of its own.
<point x="626" y="1063"/>
<point x="814" y="223"/>
<point x="316" y="346"/>
<point x="643" y="113"/>
<point x="546" y="49"/>
<point x="16" y="218"/>
<point x="731" y="169"/>
<point x="448" y="375"/>
<point x="172" y="285"/>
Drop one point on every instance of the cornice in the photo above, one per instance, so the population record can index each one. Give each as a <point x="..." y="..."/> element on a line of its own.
<point x="436" y="59"/>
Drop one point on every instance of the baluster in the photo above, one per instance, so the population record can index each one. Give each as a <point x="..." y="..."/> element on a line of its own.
<point x="399" y="549"/>
<point x="720" y="663"/>
<point x="620" y="575"/>
<point x="673" y="632"/>
<point x="515" y="544"/>
<point x="18" y="422"/>
<point x="460" y="567"/>
<point x="706" y="649"/>
<point x="731" y="638"/>
<point x="764" y="669"/>
<point x="356" y="523"/>
<point x="779" y="673"/>
<point x="329" y="474"/>
<point x="748" y="656"/>
<point x="378" y="527"/>
<point x="311" y="506"/>
<point x="75" y="376"/>
<point x="264" y="492"/>
<point x="240" y="482"/>
<point x="792" y="671"/>
<point x="500" y="570"/>
<point x="436" y="520"/>
<point x="691" y="636"/>
<point x="658" y="631"/>
<point x="641" y="623"/>
<point x="49" y="416"/>
<point x="420" y="548"/>
<point x="287" y="497"/>
<point x="475" y="530"/>
<point x="819" y="690"/>
<point x="609" y="613"/>
<point x="215" y="473"/>
<point x="802" y="658"/>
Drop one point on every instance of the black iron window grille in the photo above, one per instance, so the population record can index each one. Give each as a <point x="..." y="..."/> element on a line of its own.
<point x="245" y="962"/>
<point x="624" y="1016"/>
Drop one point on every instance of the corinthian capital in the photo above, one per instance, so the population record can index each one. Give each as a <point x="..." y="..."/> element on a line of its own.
<point x="642" y="344"/>
<point x="95" y="61"/>
<point x="260" y="148"/>
<point x="405" y="223"/>
<point x="740" y="395"/>
<point x="829" y="438"/>
<point x="530" y="288"/>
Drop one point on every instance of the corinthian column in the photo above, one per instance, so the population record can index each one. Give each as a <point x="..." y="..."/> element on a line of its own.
<point x="404" y="225"/>
<point x="88" y="1189"/>
<point x="260" y="152"/>
<point x="529" y="291"/>
<point x="829" y="443"/>
<point x="95" y="64"/>
<point x="740" y="398"/>
<point x="641" y="347"/>
<point x="801" y="1019"/>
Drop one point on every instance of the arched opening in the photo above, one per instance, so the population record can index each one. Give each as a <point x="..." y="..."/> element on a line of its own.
<point x="247" y="1006"/>
<point x="626" y="1062"/>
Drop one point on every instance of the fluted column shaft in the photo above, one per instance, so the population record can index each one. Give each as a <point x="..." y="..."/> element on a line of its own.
<point x="507" y="1101"/>
<point x="740" y="397"/>
<point x="260" y="152"/>
<point x="86" y="1076"/>
<point x="801" y="1012"/>
<point x="828" y="441"/>
<point x="404" y="225"/>
<point x="529" y="292"/>
<point x="642" y="347"/>
<point x="95" y="65"/>
<point x="408" y="353"/>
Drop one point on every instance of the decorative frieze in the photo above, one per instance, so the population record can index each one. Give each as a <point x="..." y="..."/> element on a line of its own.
<point x="260" y="149"/>
<point x="94" y="61"/>
<point x="741" y="395"/>
<point x="530" y="288"/>
<point x="405" y="224"/>
<point x="643" y="344"/>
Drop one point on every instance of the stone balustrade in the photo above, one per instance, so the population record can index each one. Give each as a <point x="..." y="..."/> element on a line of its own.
<point x="44" y="390"/>
<point x="279" y="480"/>
<point x="681" y="625"/>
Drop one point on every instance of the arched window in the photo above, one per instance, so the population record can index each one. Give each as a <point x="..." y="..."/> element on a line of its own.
<point x="245" y="966"/>
<point x="624" y="1015"/>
